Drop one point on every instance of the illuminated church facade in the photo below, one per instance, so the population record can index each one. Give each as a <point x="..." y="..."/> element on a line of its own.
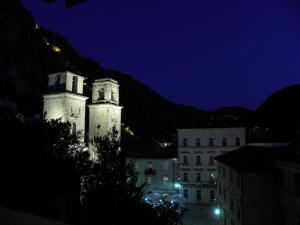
<point x="65" y="100"/>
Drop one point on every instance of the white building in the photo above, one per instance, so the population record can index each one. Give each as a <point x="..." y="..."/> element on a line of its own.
<point x="66" y="101"/>
<point x="196" y="151"/>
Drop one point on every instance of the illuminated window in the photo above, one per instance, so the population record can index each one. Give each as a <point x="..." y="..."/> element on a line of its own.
<point x="197" y="142"/>
<point x="211" y="142"/>
<point x="184" y="142"/>
<point x="224" y="142"/>
<point x="165" y="179"/>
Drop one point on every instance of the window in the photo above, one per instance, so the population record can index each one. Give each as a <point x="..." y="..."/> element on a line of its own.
<point x="219" y="168"/>
<point x="224" y="171"/>
<point x="198" y="178"/>
<point x="224" y="195"/>
<point x="212" y="194"/>
<point x="197" y="142"/>
<point x="57" y="83"/>
<point x="220" y="190"/>
<point x="211" y="178"/>
<point x="211" y="160"/>
<point x="199" y="195"/>
<point x="184" y="142"/>
<point x="238" y="212"/>
<point x="75" y="84"/>
<point x="101" y="93"/>
<point x="237" y="141"/>
<point x="231" y="204"/>
<point x="224" y="142"/>
<point x="185" y="177"/>
<point x="165" y="179"/>
<point x="211" y="142"/>
<point x="198" y="160"/>
<point x="185" y="160"/>
<point x="185" y="193"/>
<point x="231" y="177"/>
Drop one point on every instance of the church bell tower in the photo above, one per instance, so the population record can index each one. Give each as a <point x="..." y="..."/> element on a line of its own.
<point x="105" y="111"/>
<point x="65" y="100"/>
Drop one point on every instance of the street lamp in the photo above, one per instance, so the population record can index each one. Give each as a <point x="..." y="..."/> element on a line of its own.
<point x="177" y="187"/>
<point x="217" y="211"/>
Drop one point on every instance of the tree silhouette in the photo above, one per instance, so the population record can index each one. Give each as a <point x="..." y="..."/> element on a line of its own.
<point x="111" y="187"/>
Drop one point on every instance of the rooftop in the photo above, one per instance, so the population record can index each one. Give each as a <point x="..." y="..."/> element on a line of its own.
<point x="253" y="158"/>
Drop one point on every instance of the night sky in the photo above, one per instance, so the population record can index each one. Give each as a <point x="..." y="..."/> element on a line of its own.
<point x="204" y="53"/>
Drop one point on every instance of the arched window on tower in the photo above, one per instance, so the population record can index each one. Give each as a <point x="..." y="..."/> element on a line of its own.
<point x="101" y="93"/>
<point x="57" y="83"/>
<point x="75" y="84"/>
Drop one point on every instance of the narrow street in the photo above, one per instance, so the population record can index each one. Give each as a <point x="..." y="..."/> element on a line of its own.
<point x="199" y="215"/>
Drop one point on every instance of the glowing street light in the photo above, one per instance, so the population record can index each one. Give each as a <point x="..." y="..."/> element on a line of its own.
<point x="217" y="211"/>
<point x="177" y="185"/>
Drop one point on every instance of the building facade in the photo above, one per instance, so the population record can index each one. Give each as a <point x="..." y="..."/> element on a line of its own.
<point x="259" y="185"/>
<point x="196" y="151"/>
<point x="287" y="191"/>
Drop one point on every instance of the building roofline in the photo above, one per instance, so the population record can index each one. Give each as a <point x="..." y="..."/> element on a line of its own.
<point x="66" y="93"/>
<point x="105" y="80"/>
<point x="66" y="72"/>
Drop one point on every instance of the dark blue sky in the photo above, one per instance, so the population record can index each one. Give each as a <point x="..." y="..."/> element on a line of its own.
<point x="203" y="53"/>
